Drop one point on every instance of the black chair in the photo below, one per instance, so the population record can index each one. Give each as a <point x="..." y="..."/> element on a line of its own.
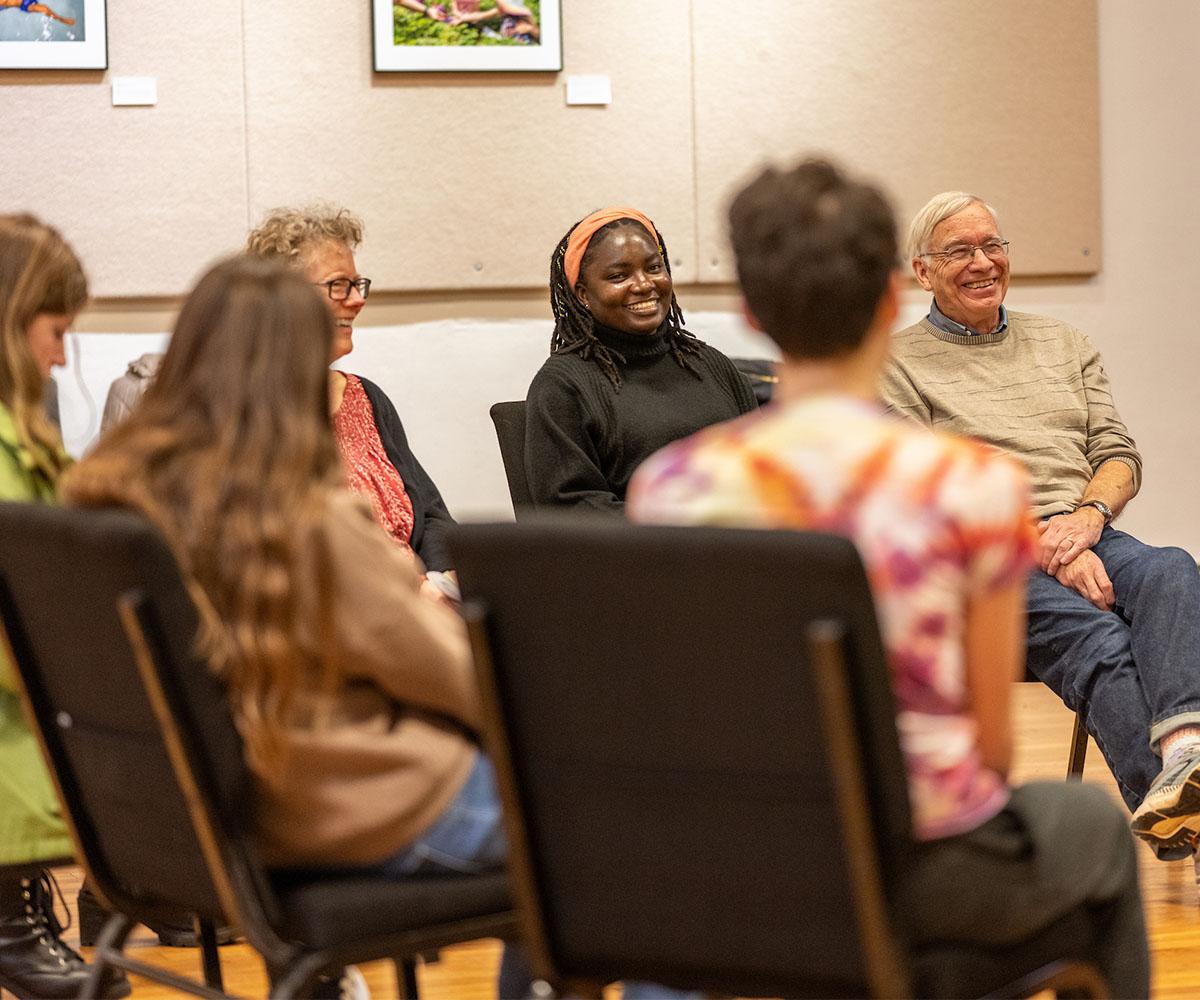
<point x="762" y="375"/>
<point x="509" y="420"/>
<point x="148" y="762"/>
<point x="695" y="739"/>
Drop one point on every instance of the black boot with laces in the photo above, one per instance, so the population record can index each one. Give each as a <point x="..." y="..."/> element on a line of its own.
<point x="34" y="961"/>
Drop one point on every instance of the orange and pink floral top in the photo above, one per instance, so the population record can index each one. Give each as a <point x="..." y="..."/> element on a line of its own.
<point x="937" y="520"/>
<point x="369" y="471"/>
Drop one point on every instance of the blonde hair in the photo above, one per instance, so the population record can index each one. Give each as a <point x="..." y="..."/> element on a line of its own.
<point x="231" y="455"/>
<point x="936" y="211"/>
<point x="289" y="233"/>
<point x="39" y="273"/>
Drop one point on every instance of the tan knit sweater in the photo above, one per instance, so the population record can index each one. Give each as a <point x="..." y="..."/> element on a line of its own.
<point x="1036" y="390"/>
<point x="370" y="767"/>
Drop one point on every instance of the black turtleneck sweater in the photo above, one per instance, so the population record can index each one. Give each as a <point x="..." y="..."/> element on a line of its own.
<point x="584" y="437"/>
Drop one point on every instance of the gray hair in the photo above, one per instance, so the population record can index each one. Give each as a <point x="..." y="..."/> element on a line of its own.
<point x="937" y="210"/>
<point x="286" y="233"/>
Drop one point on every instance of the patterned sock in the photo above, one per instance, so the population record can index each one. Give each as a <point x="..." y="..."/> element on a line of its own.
<point x="1180" y="743"/>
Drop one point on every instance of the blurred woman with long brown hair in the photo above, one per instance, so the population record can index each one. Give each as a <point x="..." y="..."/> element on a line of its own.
<point x="354" y="696"/>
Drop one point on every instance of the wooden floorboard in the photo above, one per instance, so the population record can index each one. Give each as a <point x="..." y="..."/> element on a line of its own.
<point x="468" y="972"/>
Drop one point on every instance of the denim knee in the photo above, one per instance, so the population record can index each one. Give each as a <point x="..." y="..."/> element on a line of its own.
<point x="1107" y="646"/>
<point x="1169" y="567"/>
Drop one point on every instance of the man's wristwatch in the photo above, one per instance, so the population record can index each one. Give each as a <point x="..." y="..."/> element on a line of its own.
<point x="1106" y="511"/>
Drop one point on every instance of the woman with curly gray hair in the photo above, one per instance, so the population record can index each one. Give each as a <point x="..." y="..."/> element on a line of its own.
<point x="320" y="242"/>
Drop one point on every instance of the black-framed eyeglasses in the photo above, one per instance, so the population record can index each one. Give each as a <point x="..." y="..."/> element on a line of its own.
<point x="993" y="250"/>
<point x="339" y="288"/>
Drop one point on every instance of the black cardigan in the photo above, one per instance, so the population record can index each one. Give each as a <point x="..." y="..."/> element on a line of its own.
<point x="584" y="437"/>
<point x="431" y="519"/>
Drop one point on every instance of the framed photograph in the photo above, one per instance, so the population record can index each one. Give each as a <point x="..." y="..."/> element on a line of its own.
<point x="53" y="34"/>
<point x="465" y="35"/>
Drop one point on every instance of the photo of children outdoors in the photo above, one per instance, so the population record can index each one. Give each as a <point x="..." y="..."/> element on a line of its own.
<point x="34" y="21"/>
<point x="467" y="22"/>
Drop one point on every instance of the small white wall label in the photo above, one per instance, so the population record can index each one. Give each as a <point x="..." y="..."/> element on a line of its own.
<point x="134" y="90"/>
<point x="589" y="89"/>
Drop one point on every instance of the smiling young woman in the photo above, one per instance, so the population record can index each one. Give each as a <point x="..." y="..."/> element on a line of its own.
<point x="624" y="378"/>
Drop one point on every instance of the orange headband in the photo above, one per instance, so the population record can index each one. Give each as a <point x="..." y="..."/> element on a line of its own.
<point x="581" y="236"/>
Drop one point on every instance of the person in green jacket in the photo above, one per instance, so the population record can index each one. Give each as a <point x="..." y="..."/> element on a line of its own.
<point x="42" y="287"/>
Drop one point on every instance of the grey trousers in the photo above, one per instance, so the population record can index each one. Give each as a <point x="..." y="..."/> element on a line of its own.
<point x="1057" y="850"/>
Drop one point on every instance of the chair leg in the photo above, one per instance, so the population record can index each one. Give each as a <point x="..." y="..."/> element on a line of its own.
<point x="406" y="977"/>
<point x="111" y="940"/>
<point x="1079" y="743"/>
<point x="297" y="978"/>
<point x="210" y="954"/>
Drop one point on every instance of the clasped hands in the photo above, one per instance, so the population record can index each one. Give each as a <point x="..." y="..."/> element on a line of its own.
<point x="1066" y="554"/>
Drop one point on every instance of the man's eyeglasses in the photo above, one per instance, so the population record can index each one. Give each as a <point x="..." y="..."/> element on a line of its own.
<point x="994" y="250"/>
<point x="339" y="288"/>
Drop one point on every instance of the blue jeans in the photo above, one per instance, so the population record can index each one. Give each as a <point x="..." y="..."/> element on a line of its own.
<point x="467" y="838"/>
<point x="1134" y="672"/>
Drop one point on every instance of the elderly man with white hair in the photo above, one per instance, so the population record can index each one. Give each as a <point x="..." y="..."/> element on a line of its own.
<point x="1114" y="624"/>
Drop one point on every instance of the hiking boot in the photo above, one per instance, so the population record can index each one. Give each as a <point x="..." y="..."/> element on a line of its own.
<point x="34" y="961"/>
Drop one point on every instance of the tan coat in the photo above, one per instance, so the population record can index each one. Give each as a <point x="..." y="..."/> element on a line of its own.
<point x="370" y="768"/>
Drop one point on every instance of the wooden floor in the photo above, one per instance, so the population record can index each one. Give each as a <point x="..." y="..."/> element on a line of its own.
<point x="468" y="972"/>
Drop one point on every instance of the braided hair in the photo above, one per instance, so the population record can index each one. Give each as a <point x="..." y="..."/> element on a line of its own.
<point x="575" y="327"/>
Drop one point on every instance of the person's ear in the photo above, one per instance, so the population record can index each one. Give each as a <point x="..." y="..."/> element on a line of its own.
<point x="749" y="317"/>
<point x="581" y="295"/>
<point x="921" y="270"/>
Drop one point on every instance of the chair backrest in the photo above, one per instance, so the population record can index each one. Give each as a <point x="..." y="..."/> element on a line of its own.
<point x="83" y="595"/>
<point x="509" y="419"/>
<point x="684" y="802"/>
<point x="762" y="375"/>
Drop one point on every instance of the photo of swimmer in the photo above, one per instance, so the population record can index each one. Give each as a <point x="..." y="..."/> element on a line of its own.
<point x="455" y="35"/>
<point x="53" y="34"/>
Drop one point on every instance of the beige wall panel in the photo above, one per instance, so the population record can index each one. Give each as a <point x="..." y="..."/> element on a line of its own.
<point x="469" y="180"/>
<point x="923" y="95"/>
<point x="146" y="194"/>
